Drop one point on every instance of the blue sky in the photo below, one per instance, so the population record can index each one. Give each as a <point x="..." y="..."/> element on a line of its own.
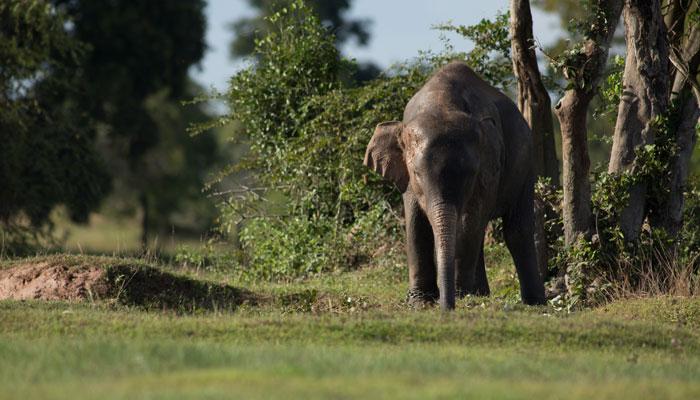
<point x="399" y="30"/>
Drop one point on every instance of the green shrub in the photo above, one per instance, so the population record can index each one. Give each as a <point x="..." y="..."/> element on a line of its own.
<point x="330" y="201"/>
<point x="607" y="265"/>
<point x="312" y="199"/>
<point x="293" y="247"/>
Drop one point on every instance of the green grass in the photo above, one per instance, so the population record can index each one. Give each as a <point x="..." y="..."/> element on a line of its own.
<point x="105" y="234"/>
<point x="348" y="335"/>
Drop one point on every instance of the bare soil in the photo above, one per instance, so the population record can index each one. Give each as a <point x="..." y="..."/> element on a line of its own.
<point x="93" y="279"/>
<point x="44" y="281"/>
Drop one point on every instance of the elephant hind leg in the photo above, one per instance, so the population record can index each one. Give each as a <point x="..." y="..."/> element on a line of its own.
<point x="481" y="281"/>
<point x="471" y="271"/>
<point x="518" y="229"/>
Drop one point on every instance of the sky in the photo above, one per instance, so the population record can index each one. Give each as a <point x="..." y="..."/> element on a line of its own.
<point x="399" y="30"/>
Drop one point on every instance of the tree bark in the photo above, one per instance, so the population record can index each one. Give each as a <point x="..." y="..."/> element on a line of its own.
<point x="644" y="98"/>
<point x="533" y="100"/>
<point x="535" y="105"/>
<point x="673" y="19"/>
<point x="689" y="55"/>
<point x="687" y="94"/>
<point x="671" y="213"/>
<point x="576" y="207"/>
<point x="571" y="112"/>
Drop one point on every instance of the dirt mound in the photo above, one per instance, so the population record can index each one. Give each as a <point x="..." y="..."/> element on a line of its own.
<point x="125" y="283"/>
<point x="52" y="282"/>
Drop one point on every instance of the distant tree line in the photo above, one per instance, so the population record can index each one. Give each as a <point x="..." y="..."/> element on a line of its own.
<point x="91" y="105"/>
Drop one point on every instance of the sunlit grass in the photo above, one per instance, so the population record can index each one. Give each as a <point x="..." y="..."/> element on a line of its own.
<point x="116" y="236"/>
<point x="349" y="335"/>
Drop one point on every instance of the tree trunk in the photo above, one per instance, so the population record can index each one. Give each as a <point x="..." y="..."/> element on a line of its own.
<point x="686" y="93"/>
<point x="673" y="19"/>
<point x="644" y="98"/>
<point x="670" y="215"/>
<point x="536" y="107"/>
<point x="576" y="207"/>
<point x="533" y="99"/>
<point x="572" y="110"/>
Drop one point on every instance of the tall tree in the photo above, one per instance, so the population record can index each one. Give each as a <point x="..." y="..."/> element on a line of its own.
<point x="532" y="96"/>
<point x="574" y="17"/>
<point x="47" y="155"/>
<point x="646" y="106"/>
<point x="138" y="50"/>
<point x="535" y="105"/>
<point x="644" y="101"/>
<point x="681" y="20"/>
<point x="583" y="68"/>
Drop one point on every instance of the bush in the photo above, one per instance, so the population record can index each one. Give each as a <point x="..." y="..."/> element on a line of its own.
<point x="608" y="267"/>
<point x="306" y="134"/>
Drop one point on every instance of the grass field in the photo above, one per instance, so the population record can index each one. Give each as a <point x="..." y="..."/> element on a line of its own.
<point x="347" y="335"/>
<point x="105" y="234"/>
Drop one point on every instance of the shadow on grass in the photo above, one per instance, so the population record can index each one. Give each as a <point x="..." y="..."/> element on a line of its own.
<point x="151" y="288"/>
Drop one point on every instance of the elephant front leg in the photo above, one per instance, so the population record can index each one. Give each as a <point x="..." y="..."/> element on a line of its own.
<point x="422" y="274"/>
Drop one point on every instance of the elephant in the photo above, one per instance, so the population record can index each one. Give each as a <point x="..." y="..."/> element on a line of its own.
<point x="462" y="156"/>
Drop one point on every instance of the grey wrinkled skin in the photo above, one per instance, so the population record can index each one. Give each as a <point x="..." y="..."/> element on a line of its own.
<point x="461" y="156"/>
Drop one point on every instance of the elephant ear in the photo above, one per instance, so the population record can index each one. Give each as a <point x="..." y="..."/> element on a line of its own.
<point x="385" y="155"/>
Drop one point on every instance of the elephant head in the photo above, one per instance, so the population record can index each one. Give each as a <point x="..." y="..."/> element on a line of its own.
<point x="436" y="157"/>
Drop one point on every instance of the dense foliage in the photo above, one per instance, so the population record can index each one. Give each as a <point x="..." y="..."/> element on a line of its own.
<point x="91" y="101"/>
<point x="313" y="206"/>
<point x="47" y="155"/>
<point x="594" y="267"/>
<point x="306" y="134"/>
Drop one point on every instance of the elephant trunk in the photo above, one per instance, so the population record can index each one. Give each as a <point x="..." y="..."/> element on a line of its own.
<point x="444" y="222"/>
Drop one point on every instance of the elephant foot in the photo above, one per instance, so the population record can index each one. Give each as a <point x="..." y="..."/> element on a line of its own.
<point x="419" y="299"/>
<point x="479" y="292"/>
<point x="534" y="300"/>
